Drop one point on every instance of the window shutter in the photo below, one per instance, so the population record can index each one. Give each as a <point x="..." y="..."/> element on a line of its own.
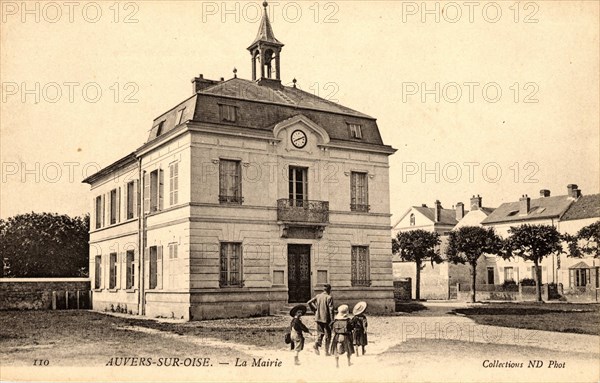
<point x="159" y="267"/>
<point x="136" y="199"/>
<point x="160" y="188"/>
<point x="118" y="204"/>
<point x="366" y="192"/>
<point x="353" y="188"/>
<point x="571" y="272"/>
<point x="94" y="213"/>
<point x="146" y="193"/>
<point x="146" y="280"/>
<point x="103" y="210"/>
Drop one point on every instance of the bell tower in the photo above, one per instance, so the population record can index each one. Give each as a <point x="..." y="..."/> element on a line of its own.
<point x="265" y="51"/>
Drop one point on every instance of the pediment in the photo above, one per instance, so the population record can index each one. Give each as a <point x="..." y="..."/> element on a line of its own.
<point x="305" y="122"/>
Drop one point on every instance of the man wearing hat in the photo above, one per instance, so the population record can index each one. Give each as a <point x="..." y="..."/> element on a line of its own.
<point x="322" y="305"/>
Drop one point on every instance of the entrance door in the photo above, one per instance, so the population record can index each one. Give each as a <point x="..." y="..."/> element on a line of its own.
<point x="490" y="275"/>
<point x="298" y="273"/>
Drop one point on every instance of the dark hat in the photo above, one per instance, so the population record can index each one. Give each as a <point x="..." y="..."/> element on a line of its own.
<point x="297" y="308"/>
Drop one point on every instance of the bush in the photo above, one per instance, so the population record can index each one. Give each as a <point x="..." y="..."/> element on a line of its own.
<point x="510" y="285"/>
<point x="527" y="282"/>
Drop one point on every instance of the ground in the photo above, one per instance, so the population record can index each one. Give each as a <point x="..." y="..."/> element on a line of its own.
<point x="432" y="341"/>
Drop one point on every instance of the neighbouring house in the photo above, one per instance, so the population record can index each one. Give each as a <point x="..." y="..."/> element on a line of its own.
<point x="462" y="273"/>
<point x="435" y="280"/>
<point x="247" y="196"/>
<point x="580" y="277"/>
<point x="545" y="210"/>
<point x="435" y="219"/>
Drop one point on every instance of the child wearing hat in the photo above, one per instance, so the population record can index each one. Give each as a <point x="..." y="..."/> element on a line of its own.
<point x="342" y="335"/>
<point x="359" y="326"/>
<point x="297" y="328"/>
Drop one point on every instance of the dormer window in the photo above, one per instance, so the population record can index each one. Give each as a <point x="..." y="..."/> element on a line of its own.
<point x="355" y="131"/>
<point x="159" y="128"/>
<point x="227" y="113"/>
<point x="179" y="116"/>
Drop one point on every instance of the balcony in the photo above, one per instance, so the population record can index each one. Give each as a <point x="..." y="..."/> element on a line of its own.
<point x="303" y="212"/>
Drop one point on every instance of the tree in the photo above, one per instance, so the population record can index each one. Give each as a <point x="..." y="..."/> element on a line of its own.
<point x="469" y="243"/>
<point x="533" y="243"/>
<point x="585" y="242"/>
<point x="45" y="245"/>
<point x="417" y="246"/>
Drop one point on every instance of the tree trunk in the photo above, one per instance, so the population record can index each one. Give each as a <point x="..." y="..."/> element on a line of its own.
<point x="473" y="280"/>
<point x="418" y="282"/>
<point x="538" y="280"/>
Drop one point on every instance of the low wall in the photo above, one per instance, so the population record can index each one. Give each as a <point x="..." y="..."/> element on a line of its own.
<point x="496" y="293"/>
<point x="581" y="295"/>
<point x="44" y="293"/>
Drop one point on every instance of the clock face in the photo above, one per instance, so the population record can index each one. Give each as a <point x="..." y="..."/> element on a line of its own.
<point x="299" y="139"/>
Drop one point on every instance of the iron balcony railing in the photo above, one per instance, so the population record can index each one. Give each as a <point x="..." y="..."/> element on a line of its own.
<point x="302" y="211"/>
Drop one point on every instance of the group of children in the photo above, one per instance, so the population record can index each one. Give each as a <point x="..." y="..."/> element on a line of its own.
<point x="349" y="332"/>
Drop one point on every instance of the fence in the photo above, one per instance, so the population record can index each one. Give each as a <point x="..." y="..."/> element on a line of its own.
<point x="45" y="293"/>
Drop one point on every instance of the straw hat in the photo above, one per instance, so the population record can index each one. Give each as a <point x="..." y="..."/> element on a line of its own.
<point x="359" y="308"/>
<point x="342" y="312"/>
<point x="297" y="308"/>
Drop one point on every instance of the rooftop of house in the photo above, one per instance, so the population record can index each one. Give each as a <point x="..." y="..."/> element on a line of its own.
<point x="539" y="208"/>
<point x="587" y="206"/>
<point x="447" y="216"/>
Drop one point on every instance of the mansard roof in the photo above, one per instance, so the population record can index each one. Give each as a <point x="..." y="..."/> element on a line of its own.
<point x="262" y="107"/>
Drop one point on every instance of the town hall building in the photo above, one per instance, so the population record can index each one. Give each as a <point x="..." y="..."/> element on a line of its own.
<point x="247" y="197"/>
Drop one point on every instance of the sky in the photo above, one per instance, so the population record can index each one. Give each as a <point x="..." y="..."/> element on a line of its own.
<point x="482" y="98"/>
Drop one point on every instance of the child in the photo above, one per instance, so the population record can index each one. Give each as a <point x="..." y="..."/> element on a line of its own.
<point x="296" y="330"/>
<point x="359" y="326"/>
<point x="342" y="335"/>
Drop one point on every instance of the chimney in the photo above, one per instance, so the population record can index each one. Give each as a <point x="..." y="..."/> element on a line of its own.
<point x="573" y="191"/>
<point x="524" y="203"/>
<point x="460" y="211"/>
<point x="544" y="193"/>
<point x="437" y="214"/>
<point x="200" y="83"/>
<point x="475" y="203"/>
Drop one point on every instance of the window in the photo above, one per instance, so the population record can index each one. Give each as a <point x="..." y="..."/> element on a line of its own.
<point x="173" y="183"/>
<point x="159" y="128"/>
<point x="130" y="269"/>
<point x="360" y="268"/>
<point x="99" y="211"/>
<point x="179" y="118"/>
<point x="228" y="113"/>
<point x="230" y="182"/>
<point x="533" y="273"/>
<point x="509" y="274"/>
<point x="355" y="131"/>
<point x="579" y="277"/>
<point x="98" y="272"/>
<point x="490" y="275"/>
<point x="153" y="191"/>
<point x="597" y="277"/>
<point x="231" y="264"/>
<point x="359" y="192"/>
<point x="298" y="186"/>
<point x="172" y="250"/>
<point x="114" y="206"/>
<point x="155" y="268"/>
<point x="412" y="219"/>
<point x="112" y="270"/>
<point x="131" y="207"/>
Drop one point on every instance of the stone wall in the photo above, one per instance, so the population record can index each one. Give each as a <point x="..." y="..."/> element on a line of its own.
<point x="44" y="293"/>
